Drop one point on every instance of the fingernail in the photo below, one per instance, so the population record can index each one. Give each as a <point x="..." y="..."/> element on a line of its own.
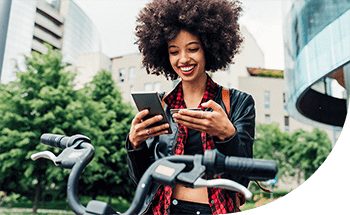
<point x="160" y="117"/>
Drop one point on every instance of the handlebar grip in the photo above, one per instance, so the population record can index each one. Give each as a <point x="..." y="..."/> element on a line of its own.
<point x="54" y="140"/>
<point x="253" y="169"/>
<point x="61" y="141"/>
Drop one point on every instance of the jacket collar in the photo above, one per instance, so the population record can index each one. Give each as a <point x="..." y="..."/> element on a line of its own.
<point x="174" y="99"/>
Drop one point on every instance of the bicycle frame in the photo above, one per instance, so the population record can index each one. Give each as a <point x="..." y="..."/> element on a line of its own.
<point x="78" y="152"/>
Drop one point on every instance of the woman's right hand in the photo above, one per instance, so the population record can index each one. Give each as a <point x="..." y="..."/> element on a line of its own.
<point x="140" y="132"/>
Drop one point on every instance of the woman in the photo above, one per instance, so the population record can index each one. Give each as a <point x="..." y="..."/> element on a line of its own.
<point x="186" y="38"/>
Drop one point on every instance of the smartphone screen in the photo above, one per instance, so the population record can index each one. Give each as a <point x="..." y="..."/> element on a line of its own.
<point x="172" y="111"/>
<point x="152" y="102"/>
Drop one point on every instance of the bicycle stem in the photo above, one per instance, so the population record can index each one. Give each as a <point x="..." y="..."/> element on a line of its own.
<point x="73" y="179"/>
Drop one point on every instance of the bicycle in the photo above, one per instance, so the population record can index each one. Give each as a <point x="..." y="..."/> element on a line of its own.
<point x="184" y="169"/>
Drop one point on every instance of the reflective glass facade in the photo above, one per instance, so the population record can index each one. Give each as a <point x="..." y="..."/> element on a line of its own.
<point x="80" y="36"/>
<point x="317" y="46"/>
<point x="19" y="37"/>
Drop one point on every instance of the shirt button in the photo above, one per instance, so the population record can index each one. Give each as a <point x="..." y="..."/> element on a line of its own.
<point x="212" y="201"/>
<point x="175" y="202"/>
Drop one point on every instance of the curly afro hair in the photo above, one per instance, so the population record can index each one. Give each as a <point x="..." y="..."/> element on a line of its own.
<point x="214" y="22"/>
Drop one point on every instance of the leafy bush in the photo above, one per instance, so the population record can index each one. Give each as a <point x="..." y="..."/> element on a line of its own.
<point x="7" y="201"/>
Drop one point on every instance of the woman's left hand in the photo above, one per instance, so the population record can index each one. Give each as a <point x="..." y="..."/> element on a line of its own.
<point x="215" y="123"/>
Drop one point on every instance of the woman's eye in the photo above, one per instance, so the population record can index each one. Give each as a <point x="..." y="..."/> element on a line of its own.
<point x="173" y="52"/>
<point x="194" y="50"/>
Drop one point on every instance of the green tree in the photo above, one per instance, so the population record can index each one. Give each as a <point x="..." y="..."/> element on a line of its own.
<point x="36" y="103"/>
<point x="43" y="100"/>
<point x="308" y="151"/>
<point x="108" y="175"/>
<point x="298" y="153"/>
<point x="269" y="144"/>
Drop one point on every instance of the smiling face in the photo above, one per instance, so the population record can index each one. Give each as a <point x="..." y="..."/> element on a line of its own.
<point x="186" y="57"/>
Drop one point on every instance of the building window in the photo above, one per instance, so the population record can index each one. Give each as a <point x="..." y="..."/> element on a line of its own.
<point x="284" y="101"/>
<point x="267" y="99"/>
<point x="157" y="86"/>
<point x="286" y="123"/>
<point x="121" y="75"/>
<point x="148" y="87"/>
<point x="229" y="69"/>
<point x="132" y="74"/>
<point x="267" y="119"/>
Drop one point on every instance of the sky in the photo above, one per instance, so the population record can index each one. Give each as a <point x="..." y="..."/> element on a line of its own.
<point x="116" y="22"/>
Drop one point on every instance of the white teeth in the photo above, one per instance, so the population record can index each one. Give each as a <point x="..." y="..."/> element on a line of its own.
<point x="187" y="69"/>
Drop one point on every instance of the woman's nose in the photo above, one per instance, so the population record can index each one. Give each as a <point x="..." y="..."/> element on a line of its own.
<point x="184" y="58"/>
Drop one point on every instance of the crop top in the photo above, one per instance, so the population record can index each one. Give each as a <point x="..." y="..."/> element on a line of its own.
<point x="193" y="145"/>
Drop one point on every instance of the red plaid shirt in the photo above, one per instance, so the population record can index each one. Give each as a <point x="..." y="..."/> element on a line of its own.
<point x="219" y="200"/>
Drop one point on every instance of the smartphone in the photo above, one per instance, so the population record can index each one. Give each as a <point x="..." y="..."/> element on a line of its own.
<point x="172" y="111"/>
<point x="152" y="102"/>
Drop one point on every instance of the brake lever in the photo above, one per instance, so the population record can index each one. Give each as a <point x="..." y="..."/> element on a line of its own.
<point x="224" y="184"/>
<point x="45" y="154"/>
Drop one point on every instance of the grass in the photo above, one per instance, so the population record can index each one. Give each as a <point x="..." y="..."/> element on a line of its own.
<point x="24" y="211"/>
<point x="24" y="206"/>
<point x="121" y="205"/>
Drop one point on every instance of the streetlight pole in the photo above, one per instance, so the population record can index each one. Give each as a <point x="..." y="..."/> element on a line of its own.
<point x="347" y="83"/>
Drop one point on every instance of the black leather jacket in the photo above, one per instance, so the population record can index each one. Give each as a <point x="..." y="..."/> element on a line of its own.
<point x="242" y="116"/>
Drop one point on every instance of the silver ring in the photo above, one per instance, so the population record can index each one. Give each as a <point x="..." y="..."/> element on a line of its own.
<point x="202" y="115"/>
<point x="147" y="131"/>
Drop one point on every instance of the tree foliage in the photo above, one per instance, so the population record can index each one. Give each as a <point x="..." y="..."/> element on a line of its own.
<point x="271" y="73"/>
<point x="43" y="100"/>
<point x="300" y="152"/>
<point x="309" y="151"/>
<point x="38" y="102"/>
<point x="269" y="145"/>
<point x="29" y="107"/>
<point x="108" y="175"/>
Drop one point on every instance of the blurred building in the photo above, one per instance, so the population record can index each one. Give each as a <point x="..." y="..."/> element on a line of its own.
<point x="268" y="89"/>
<point x="130" y="76"/>
<point x="87" y="67"/>
<point x="60" y="23"/>
<point x="317" y="56"/>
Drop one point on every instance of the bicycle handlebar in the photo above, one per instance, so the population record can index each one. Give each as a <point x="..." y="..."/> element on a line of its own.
<point x="61" y="141"/>
<point x="253" y="169"/>
<point x="78" y="152"/>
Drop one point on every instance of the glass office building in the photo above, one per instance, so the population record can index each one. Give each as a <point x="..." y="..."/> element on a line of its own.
<point x="60" y="23"/>
<point x="317" y="56"/>
<point x="80" y="35"/>
<point x="19" y="37"/>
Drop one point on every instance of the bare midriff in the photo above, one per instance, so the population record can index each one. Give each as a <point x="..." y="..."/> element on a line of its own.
<point x="199" y="195"/>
